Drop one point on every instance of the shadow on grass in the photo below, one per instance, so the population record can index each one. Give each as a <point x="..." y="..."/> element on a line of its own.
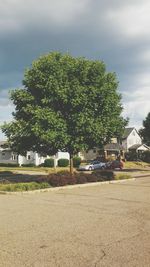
<point x="134" y="170"/>
<point x="10" y="177"/>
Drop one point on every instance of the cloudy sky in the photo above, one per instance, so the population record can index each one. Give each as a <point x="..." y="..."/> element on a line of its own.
<point x="117" y="32"/>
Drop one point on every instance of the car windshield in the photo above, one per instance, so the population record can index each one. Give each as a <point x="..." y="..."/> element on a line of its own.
<point x="95" y="162"/>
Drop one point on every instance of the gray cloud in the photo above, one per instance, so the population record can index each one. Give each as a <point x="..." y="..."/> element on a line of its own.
<point x="114" y="31"/>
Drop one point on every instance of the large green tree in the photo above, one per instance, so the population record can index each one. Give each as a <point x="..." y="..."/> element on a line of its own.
<point x="67" y="103"/>
<point x="145" y="131"/>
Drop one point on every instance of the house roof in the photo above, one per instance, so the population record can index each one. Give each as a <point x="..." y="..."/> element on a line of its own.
<point x="113" y="146"/>
<point x="136" y="146"/>
<point x="3" y="143"/>
<point x="127" y="131"/>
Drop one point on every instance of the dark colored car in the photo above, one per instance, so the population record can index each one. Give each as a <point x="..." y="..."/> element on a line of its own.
<point x="116" y="164"/>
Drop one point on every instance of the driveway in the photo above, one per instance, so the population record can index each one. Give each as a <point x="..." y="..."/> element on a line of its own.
<point x="107" y="225"/>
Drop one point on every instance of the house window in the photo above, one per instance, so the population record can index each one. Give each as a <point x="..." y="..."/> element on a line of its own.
<point x="28" y="157"/>
<point x="13" y="157"/>
<point x="94" y="150"/>
<point x="3" y="154"/>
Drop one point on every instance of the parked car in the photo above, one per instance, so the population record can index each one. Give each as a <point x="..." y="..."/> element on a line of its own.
<point x="92" y="166"/>
<point x="116" y="164"/>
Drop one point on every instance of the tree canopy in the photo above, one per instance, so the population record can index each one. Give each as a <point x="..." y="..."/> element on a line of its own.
<point x="145" y="132"/>
<point x="66" y="103"/>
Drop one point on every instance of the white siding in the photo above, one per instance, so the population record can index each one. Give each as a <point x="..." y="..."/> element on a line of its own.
<point x="133" y="139"/>
<point x="7" y="156"/>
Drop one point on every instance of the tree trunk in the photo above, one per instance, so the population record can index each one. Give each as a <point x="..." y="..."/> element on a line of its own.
<point x="71" y="164"/>
<point x="55" y="163"/>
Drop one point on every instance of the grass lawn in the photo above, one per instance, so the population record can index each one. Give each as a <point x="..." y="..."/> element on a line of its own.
<point x="135" y="165"/>
<point x="19" y="187"/>
<point x="127" y="165"/>
<point x="34" y="169"/>
<point x="15" y="184"/>
<point x="32" y="178"/>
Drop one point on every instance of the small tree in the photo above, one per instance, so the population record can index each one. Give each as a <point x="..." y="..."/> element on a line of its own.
<point x="69" y="104"/>
<point x="76" y="162"/>
<point x="49" y="163"/>
<point x="146" y="156"/>
<point x="145" y="132"/>
<point x="63" y="162"/>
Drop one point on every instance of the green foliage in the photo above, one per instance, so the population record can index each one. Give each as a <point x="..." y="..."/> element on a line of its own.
<point x="131" y="156"/>
<point x="104" y="175"/>
<point x="122" y="176"/>
<point x="23" y="186"/>
<point x="63" y="162"/>
<point x="146" y="156"/>
<point x="9" y="164"/>
<point x="69" y="104"/>
<point x="145" y="132"/>
<point x="49" y="163"/>
<point x="64" y="178"/>
<point x="76" y="162"/>
<point x="28" y="165"/>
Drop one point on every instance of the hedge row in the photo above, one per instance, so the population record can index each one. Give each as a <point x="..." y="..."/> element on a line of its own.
<point x="134" y="156"/>
<point x="47" y="163"/>
<point x="28" y="165"/>
<point x="9" y="165"/>
<point x="58" y="179"/>
<point x="62" y="162"/>
<point x="64" y="178"/>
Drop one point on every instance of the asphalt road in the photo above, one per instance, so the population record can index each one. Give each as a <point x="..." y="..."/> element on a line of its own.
<point x="98" y="226"/>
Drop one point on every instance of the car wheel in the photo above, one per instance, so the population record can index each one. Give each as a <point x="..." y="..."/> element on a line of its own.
<point x="90" y="168"/>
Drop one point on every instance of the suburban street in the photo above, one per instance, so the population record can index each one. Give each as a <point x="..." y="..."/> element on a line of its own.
<point x="104" y="225"/>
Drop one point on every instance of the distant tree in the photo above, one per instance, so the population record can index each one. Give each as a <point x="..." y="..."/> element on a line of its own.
<point x="69" y="104"/>
<point x="145" y="132"/>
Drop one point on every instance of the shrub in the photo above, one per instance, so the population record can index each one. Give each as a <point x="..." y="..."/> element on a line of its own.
<point x="49" y="163"/>
<point x="71" y="180"/>
<point x="104" y="175"/>
<point x="56" y="180"/>
<point x="61" y="178"/>
<point x="81" y="179"/>
<point x="28" y="165"/>
<point x="131" y="156"/>
<point x="146" y="156"/>
<point x="63" y="172"/>
<point x="92" y="178"/>
<point x="76" y="162"/>
<point x="9" y="165"/>
<point x="63" y="162"/>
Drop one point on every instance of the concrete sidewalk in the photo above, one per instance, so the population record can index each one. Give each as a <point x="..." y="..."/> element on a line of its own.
<point x="106" y="225"/>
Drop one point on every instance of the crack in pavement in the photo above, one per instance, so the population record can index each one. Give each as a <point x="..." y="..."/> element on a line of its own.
<point x="101" y="258"/>
<point x="128" y="200"/>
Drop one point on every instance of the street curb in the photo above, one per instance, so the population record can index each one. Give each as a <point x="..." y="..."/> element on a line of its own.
<point x="53" y="189"/>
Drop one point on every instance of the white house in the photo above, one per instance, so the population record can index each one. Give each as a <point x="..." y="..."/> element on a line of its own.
<point x="8" y="156"/>
<point x="139" y="148"/>
<point x="130" y="138"/>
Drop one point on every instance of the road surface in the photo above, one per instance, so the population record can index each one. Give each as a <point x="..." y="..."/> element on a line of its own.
<point x="97" y="226"/>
